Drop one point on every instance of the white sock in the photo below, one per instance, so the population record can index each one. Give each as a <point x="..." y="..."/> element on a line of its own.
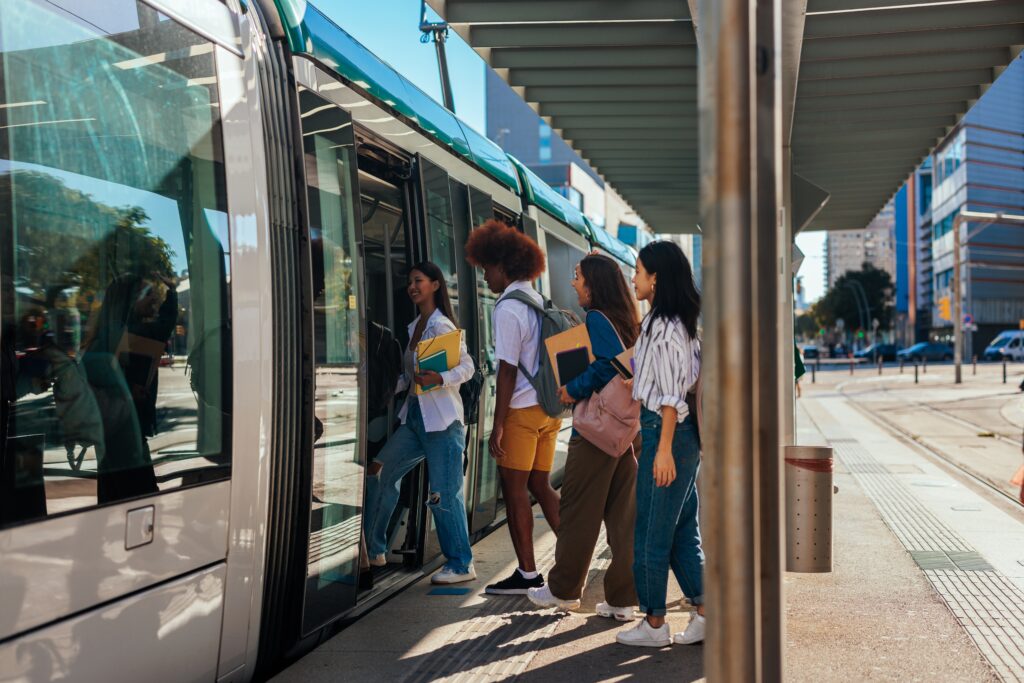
<point x="527" y="575"/>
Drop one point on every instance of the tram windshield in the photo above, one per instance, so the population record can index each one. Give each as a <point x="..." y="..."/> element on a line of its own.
<point x="114" y="252"/>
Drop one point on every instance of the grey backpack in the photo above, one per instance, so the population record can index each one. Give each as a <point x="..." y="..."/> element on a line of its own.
<point x="552" y="321"/>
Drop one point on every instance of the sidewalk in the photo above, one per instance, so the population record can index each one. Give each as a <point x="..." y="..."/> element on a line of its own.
<point x="939" y="593"/>
<point x="928" y="585"/>
<point x="428" y="634"/>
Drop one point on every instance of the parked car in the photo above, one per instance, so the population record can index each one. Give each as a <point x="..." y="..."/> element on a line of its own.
<point x="1008" y="345"/>
<point x="887" y="352"/>
<point x="926" y="351"/>
<point x="809" y="351"/>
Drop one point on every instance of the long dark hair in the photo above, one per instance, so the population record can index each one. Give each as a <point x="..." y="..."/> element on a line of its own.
<point x="675" y="295"/>
<point x="441" y="300"/>
<point x="609" y="294"/>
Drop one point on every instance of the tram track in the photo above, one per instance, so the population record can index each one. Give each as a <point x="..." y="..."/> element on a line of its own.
<point x="935" y="452"/>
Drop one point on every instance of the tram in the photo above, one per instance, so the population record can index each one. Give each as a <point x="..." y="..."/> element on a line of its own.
<point x="207" y="214"/>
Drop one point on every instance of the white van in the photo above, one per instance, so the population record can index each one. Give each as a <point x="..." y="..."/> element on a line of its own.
<point x="1008" y="345"/>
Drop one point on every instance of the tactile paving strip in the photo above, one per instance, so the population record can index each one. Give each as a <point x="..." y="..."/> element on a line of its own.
<point x="986" y="603"/>
<point x="500" y="641"/>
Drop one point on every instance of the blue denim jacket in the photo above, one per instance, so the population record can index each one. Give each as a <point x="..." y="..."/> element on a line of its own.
<point x="605" y="345"/>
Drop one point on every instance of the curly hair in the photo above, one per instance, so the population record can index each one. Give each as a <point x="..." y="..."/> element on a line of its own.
<point x="495" y="243"/>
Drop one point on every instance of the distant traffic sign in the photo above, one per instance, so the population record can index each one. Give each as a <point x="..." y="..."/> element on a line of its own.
<point x="968" y="319"/>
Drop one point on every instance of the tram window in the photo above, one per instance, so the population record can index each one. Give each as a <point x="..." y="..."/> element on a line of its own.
<point x="337" y="482"/>
<point x="440" y="225"/>
<point x="562" y="260"/>
<point x="114" y="264"/>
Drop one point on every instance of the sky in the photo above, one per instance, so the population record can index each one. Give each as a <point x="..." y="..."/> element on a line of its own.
<point x="390" y="29"/>
<point x="812" y="270"/>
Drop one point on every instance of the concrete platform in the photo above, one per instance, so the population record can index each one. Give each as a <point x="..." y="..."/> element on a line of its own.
<point x="884" y="613"/>
<point x="422" y="636"/>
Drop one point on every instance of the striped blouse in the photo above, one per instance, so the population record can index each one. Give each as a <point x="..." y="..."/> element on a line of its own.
<point x="667" y="362"/>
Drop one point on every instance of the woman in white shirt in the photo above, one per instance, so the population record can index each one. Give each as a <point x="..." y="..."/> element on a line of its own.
<point x="432" y="428"/>
<point x="667" y="360"/>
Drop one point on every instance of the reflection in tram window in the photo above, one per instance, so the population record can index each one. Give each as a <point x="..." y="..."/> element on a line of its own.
<point x="113" y="258"/>
<point x="337" y="494"/>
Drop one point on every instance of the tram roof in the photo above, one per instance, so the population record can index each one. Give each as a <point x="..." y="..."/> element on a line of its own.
<point x="613" y="246"/>
<point x="311" y="33"/>
<point x="544" y="197"/>
<point x="873" y="87"/>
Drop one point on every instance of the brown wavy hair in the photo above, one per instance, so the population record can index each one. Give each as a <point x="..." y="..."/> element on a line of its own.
<point x="495" y="243"/>
<point x="610" y="295"/>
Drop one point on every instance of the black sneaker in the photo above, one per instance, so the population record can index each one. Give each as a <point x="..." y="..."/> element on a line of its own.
<point x="515" y="585"/>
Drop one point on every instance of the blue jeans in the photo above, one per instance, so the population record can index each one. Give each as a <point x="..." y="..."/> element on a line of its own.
<point x="406" y="448"/>
<point x="667" y="533"/>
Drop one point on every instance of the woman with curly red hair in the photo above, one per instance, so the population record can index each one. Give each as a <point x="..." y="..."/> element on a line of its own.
<point x="523" y="436"/>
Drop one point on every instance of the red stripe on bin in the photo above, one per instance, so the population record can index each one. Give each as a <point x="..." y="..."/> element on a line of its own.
<point x="812" y="464"/>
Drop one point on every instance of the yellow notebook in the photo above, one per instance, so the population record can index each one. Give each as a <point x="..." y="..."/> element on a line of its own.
<point x="450" y="343"/>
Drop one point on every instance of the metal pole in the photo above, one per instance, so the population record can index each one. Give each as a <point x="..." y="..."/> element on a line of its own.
<point x="915" y="372"/>
<point x="814" y="375"/>
<point x="901" y="366"/>
<point x="958" y="332"/>
<point x="974" y="364"/>
<point x="1004" y="369"/>
<point x="879" y="365"/>
<point x="851" y="365"/>
<point x="769" y="513"/>
<point x="732" y="485"/>
<point x="438" y="31"/>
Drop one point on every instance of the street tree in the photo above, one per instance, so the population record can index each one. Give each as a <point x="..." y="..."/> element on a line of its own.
<point x="843" y="300"/>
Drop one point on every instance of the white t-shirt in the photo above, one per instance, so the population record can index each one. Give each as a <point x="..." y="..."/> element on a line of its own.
<point x="517" y="340"/>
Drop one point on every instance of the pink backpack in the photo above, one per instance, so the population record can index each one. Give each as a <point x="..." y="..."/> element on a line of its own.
<point x="609" y="418"/>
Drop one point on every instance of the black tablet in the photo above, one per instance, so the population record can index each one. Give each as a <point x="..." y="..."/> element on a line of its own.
<point x="572" y="363"/>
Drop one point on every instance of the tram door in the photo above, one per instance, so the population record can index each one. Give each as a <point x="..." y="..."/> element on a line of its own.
<point x="439" y="222"/>
<point x="386" y="250"/>
<point x="337" y="470"/>
<point x="486" y="484"/>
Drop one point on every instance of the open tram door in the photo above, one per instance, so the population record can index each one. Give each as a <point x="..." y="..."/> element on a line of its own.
<point x="451" y="210"/>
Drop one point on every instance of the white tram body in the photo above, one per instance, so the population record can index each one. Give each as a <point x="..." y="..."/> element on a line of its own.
<point x="207" y="212"/>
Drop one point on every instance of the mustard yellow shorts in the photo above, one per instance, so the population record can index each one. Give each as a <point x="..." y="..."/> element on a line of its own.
<point x="529" y="439"/>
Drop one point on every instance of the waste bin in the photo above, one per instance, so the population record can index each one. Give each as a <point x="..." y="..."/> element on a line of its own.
<point x="809" y="508"/>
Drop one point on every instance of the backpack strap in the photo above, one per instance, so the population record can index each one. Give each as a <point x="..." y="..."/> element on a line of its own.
<point x="522" y="297"/>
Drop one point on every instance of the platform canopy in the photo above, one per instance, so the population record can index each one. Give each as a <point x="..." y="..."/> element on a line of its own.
<point x="878" y="84"/>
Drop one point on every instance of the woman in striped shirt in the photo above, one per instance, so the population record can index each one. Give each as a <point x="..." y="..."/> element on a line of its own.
<point x="667" y="361"/>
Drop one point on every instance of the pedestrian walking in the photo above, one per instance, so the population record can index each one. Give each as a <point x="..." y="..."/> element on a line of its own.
<point x="667" y="359"/>
<point x="523" y="435"/>
<point x="597" y="486"/>
<point x="432" y="428"/>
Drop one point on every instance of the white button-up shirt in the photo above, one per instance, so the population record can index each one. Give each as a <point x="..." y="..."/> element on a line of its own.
<point x="443" y="405"/>
<point x="517" y="340"/>
<point x="667" y="365"/>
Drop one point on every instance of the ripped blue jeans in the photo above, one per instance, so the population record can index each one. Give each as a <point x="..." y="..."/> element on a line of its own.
<point x="406" y="448"/>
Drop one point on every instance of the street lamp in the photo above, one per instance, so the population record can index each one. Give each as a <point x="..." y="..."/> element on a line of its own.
<point x="984" y="219"/>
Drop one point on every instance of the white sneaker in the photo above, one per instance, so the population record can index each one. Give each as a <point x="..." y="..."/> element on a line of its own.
<point x="542" y="597"/>
<point x="645" y="635"/>
<point x="378" y="560"/>
<point x="620" y="613"/>
<point x="694" y="632"/>
<point x="448" y="575"/>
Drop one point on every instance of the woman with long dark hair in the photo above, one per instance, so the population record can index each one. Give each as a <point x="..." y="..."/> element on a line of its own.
<point x="667" y="359"/>
<point x="432" y="428"/>
<point x="597" y="486"/>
